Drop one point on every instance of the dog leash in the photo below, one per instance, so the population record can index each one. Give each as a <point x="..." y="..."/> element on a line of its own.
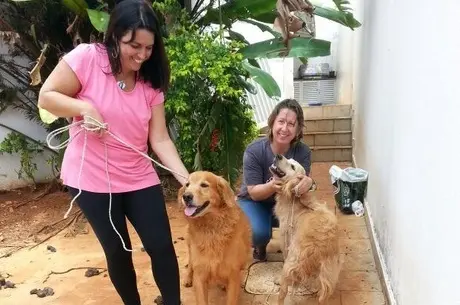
<point x="90" y="124"/>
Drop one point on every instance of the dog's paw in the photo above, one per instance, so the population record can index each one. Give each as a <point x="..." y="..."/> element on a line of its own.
<point x="187" y="283"/>
<point x="277" y="280"/>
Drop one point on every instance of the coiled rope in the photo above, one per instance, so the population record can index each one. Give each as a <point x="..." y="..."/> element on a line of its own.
<point x="90" y="124"/>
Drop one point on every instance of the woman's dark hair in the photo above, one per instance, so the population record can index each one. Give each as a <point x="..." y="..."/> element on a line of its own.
<point x="131" y="15"/>
<point x="290" y="104"/>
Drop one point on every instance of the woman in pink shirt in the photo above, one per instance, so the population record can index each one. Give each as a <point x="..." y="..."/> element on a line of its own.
<point x="121" y="82"/>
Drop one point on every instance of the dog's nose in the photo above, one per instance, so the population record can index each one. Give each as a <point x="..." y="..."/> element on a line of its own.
<point x="187" y="197"/>
<point x="279" y="157"/>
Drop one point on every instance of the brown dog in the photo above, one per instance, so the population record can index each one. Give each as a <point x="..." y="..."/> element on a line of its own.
<point x="219" y="236"/>
<point x="308" y="235"/>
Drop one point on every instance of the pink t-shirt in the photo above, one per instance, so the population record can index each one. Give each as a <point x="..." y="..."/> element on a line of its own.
<point x="127" y="115"/>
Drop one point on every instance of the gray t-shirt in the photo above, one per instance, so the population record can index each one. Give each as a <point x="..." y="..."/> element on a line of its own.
<point x="257" y="160"/>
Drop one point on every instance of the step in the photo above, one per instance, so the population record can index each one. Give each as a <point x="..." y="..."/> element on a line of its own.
<point x="328" y="138"/>
<point x="327" y="124"/>
<point x="327" y="111"/>
<point x="331" y="153"/>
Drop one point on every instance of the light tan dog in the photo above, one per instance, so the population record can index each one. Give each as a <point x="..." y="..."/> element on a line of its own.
<point x="219" y="236"/>
<point x="308" y="235"/>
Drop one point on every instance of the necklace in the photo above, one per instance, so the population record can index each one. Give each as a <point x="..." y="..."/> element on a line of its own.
<point x="121" y="84"/>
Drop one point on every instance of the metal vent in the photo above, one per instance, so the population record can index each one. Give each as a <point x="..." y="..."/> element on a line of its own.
<point x="308" y="92"/>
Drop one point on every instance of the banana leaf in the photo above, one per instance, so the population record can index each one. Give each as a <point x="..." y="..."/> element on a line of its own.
<point x="265" y="11"/>
<point x="300" y="47"/>
<point x="264" y="79"/>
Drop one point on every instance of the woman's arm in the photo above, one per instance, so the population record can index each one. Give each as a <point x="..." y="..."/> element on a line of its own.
<point x="56" y="94"/>
<point x="263" y="191"/>
<point x="162" y="144"/>
<point x="253" y="176"/>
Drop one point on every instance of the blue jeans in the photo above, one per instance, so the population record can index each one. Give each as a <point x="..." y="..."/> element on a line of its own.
<point x="262" y="220"/>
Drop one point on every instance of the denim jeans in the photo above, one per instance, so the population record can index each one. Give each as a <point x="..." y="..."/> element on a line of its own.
<point x="262" y="220"/>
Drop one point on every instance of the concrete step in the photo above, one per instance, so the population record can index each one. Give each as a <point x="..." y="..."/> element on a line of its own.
<point x="328" y="138"/>
<point x="327" y="124"/>
<point x="331" y="153"/>
<point x="327" y="111"/>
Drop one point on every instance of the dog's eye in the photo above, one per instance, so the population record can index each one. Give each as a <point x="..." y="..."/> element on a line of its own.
<point x="204" y="185"/>
<point x="292" y="166"/>
<point x="187" y="184"/>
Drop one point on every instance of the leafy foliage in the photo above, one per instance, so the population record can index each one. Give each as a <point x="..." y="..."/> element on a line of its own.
<point x="16" y="143"/>
<point x="207" y="103"/>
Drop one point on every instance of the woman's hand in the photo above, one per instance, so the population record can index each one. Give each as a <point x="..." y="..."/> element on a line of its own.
<point x="275" y="184"/>
<point x="303" y="186"/>
<point x="91" y="117"/>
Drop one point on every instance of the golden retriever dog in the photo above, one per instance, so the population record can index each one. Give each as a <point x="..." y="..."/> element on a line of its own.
<point x="308" y="235"/>
<point x="219" y="236"/>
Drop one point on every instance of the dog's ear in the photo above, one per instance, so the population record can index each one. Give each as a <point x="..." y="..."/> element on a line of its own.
<point x="225" y="191"/>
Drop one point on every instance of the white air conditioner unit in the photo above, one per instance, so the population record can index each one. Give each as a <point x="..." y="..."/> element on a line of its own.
<point x="310" y="92"/>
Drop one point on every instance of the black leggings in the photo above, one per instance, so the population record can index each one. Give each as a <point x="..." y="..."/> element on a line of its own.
<point x="146" y="210"/>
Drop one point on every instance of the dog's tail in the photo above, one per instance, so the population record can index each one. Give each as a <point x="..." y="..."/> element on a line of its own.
<point x="328" y="277"/>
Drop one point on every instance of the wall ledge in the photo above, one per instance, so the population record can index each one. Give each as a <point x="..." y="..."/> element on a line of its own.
<point x="377" y="251"/>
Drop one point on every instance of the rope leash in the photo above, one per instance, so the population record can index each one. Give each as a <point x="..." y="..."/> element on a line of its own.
<point x="92" y="125"/>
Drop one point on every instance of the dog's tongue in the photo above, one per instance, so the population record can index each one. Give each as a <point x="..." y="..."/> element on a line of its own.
<point x="190" y="210"/>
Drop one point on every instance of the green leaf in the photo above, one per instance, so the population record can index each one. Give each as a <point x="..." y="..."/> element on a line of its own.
<point x="342" y="5"/>
<point x="264" y="11"/>
<point x="76" y="6"/>
<point x="248" y="86"/>
<point x="344" y="18"/>
<point x="265" y="80"/>
<point x="300" y="47"/>
<point x="267" y="17"/>
<point x="238" y="9"/>
<point x="254" y="62"/>
<point x="237" y="36"/>
<point x="99" y="19"/>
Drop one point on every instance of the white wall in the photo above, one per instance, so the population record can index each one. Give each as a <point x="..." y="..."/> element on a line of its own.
<point x="10" y="164"/>
<point x="405" y="92"/>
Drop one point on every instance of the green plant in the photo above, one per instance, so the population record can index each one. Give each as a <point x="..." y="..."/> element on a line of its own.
<point x="16" y="143"/>
<point x="207" y="103"/>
